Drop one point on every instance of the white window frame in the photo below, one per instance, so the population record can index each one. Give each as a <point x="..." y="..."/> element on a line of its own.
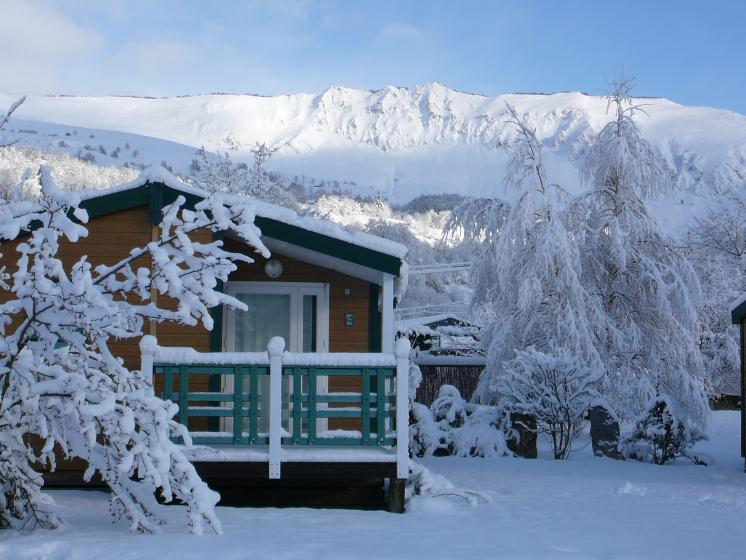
<point x="296" y="290"/>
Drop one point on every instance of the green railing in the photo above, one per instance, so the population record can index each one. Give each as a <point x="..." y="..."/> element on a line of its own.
<point x="241" y="405"/>
<point x="237" y="416"/>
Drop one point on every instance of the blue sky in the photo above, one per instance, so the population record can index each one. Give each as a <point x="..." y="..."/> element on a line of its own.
<point x="691" y="52"/>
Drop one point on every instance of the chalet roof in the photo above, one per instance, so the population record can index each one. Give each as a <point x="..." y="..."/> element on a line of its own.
<point x="156" y="187"/>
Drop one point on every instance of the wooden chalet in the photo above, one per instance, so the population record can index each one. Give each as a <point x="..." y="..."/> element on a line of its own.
<point x="306" y="389"/>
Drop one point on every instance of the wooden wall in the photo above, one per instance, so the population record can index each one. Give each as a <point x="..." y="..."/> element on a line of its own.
<point x="464" y="378"/>
<point x="110" y="239"/>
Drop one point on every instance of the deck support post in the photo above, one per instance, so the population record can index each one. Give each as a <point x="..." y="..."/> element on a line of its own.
<point x="397" y="488"/>
<point x="402" y="408"/>
<point x="148" y="346"/>
<point x="275" y="348"/>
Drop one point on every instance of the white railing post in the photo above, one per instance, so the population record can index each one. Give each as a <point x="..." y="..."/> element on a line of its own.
<point x="402" y="408"/>
<point x="275" y="348"/>
<point x="148" y="346"/>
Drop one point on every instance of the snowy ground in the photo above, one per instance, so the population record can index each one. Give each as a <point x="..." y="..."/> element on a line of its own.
<point x="582" y="508"/>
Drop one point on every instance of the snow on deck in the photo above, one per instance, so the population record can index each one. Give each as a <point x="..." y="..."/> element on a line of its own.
<point x="291" y="454"/>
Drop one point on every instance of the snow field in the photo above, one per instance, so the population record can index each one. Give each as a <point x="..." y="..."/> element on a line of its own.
<point x="583" y="508"/>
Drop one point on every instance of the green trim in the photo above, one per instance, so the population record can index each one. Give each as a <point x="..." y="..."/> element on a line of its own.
<point x="155" y="203"/>
<point x="375" y="404"/>
<point x="216" y="334"/>
<point x="117" y="202"/>
<point x="328" y="245"/>
<point x="374" y="319"/>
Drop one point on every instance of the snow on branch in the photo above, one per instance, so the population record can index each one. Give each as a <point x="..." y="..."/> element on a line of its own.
<point x="60" y="381"/>
<point x="4" y="118"/>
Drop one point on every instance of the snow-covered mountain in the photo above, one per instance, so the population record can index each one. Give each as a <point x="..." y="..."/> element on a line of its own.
<point x="398" y="141"/>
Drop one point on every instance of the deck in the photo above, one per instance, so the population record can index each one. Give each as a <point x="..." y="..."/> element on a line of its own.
<point x="270" y="416"/>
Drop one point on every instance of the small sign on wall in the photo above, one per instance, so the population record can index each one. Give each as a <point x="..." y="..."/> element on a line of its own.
<point x="349" y="319"/>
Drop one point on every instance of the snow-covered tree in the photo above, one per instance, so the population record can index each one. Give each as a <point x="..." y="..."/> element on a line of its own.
<point x="219" y="173"/>
<point x="717" y="244"/>
<point x="556" y="390"/>
<point x="647" y="288"/>
<point x="60" y="383"/>
<point x="527" y="279"/>
<point x="477" y="220"/>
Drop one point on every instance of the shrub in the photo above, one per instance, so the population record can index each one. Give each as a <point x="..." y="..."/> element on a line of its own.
<point x="661" y="436"/>
<point x="451" y="426"/>
<point x="556" y="389"/>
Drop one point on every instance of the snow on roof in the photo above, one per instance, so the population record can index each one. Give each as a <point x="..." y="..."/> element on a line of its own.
<point x="158" y="174"/>
<point x="421" y="324"/>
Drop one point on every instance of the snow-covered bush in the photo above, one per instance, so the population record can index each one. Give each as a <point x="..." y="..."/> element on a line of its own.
<point x="425" y="435"/>
<point x="481" y="435"/>
<point x="61" y="384"/>
<point x="661" y="435"/>
<point x="451" y="426"/>
<point x="555" y="389"/>
<point x="449" y="407"/>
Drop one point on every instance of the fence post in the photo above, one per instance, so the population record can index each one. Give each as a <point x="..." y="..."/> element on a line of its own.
<point x="402" y="408"/>
<point x="148" y="346"/>
<point x="274" y="349"/>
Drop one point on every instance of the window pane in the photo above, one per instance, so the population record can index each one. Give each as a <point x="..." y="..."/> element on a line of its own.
<point x="268" y="315"/>
<point x="309" y="323"/>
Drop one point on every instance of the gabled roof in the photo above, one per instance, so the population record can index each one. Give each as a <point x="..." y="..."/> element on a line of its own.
<point x="156" y="187"/>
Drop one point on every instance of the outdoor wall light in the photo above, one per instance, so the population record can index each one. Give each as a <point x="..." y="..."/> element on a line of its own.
<point x="273" y="268"/>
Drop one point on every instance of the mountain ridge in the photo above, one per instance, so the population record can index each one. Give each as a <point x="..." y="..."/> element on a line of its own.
<point x="402" y="141"/>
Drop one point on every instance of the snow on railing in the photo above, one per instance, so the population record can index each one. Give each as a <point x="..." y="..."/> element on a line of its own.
<point x="277" y="363"/>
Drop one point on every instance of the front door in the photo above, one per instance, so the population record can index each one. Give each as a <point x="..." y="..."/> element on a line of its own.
<point x="298" y="312"/>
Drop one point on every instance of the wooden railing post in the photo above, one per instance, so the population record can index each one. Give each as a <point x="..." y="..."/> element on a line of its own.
<point x="402" y="408"/>
<point x="148" y="346"/>
<point x="275" y="348"/>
